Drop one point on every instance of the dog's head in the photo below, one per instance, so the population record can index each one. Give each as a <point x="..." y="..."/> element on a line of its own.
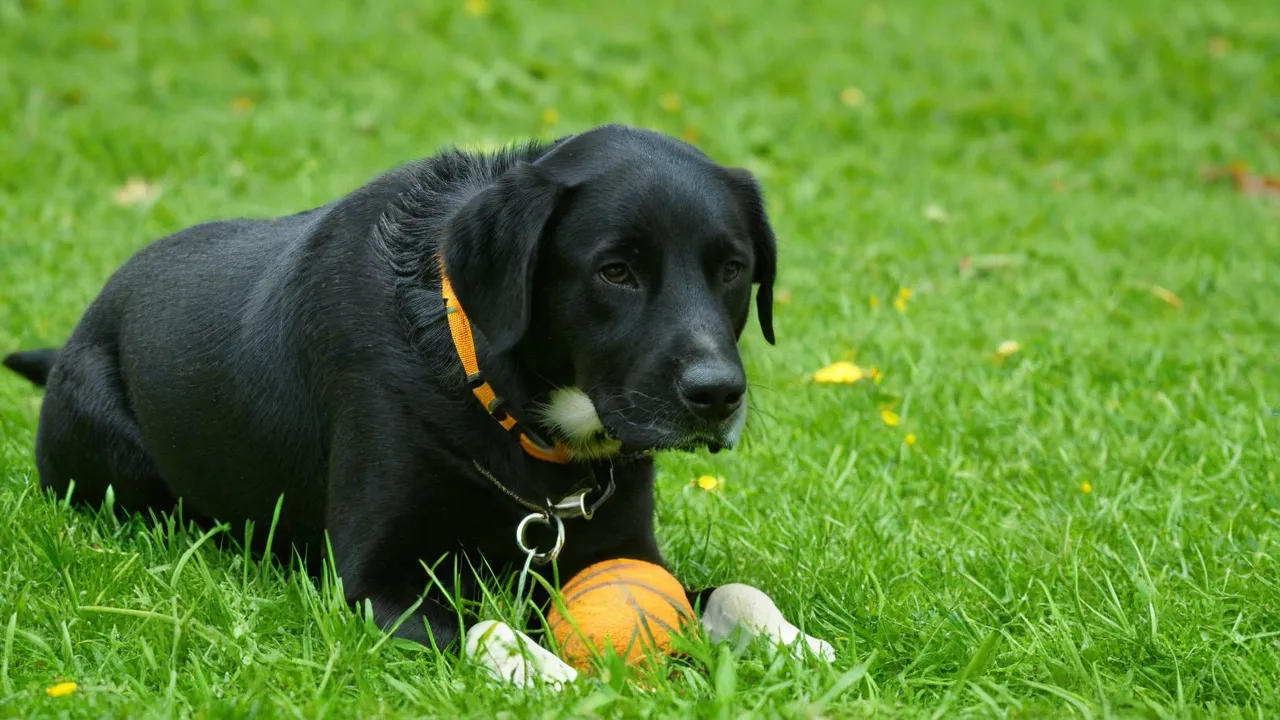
<point x="618" y="268"/>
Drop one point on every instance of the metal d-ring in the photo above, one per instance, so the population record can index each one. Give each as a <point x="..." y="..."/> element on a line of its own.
<point x="543" y="518"/>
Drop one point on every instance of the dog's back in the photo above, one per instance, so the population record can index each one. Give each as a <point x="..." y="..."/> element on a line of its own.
<point x="207" y="351"/>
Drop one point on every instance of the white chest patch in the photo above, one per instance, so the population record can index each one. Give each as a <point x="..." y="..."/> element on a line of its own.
<point x="573" y="417"/>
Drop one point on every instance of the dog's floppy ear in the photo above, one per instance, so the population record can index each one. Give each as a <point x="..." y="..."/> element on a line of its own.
<point x="763" y="244"/>
<point x="491" y="250"/>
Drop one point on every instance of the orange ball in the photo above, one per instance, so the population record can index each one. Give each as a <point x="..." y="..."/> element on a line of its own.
<point x="633" y="606"/>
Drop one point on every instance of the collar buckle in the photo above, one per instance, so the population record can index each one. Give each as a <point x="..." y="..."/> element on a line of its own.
<point x="575" y="505"/>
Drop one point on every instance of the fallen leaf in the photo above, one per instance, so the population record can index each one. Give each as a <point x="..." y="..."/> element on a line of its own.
<point x="136" y="192"/>
<point x="783" y="296"/>
<point x="1166" y="295"/>
<point x="1246" y="181"/>
<point x="243" y="104"/>
<point x="1218" y="46"/>
<point x="972" y="266"/>
<point x="690" y="134"/>
<point x="261" y="26"/>
<point x="1008" y="347"/>
<point x="841" y="372"/>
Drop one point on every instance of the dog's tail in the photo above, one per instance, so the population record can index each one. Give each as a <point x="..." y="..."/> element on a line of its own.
<point x="33" y="365"/>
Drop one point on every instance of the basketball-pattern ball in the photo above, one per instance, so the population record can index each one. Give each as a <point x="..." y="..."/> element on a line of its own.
<point x="633" y="606"/>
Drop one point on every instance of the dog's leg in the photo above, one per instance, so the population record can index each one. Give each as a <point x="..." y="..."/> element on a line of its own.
<point x="374" y="542"/>
<point x="513" y="657"/>
<point x="742" y="613"/>
<point x="431" y="624"/>
<point x="88" y="434"/>
<point x="372" y="571"/>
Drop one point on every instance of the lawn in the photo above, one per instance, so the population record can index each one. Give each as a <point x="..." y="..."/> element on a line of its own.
<point x="1056" y="494"/>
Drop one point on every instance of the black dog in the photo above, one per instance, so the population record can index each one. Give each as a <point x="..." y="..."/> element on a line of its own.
<point x="605" y="277"/>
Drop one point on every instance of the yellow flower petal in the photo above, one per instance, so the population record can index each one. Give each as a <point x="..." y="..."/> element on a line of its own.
<point x="890" y="417"/>
<point x="62" y="688"/>
<point x="852" y="97"/>
<point x="476" y="8"/>
<point x="709" y="482"/>
<point x="910" y="439"/>
<point x="841" y="372"/>
<point x="550" y="116"/>
<point x="1086" y="487"/>
<point x="900" y="304"/>
<point x="1008" y="347"/>
<point x="873" y="302"/>
<point x="876" y="375"/>
<point x="904" y="293"/>
<point x="670" y="102"/>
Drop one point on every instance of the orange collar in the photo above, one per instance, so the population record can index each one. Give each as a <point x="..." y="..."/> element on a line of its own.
<point x="464" y="343"/>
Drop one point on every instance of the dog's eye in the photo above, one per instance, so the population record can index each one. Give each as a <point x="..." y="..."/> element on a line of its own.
<point x="732" y="270"/>
<point x="617" y="274"/>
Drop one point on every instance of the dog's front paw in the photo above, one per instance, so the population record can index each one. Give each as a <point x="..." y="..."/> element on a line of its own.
<point x="511" y="656"/>
<point x="743" y="613"/>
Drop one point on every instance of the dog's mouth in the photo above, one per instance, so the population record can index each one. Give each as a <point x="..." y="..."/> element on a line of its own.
<point x="623" y="424"/>
<point x="687" y="444"/>
<point x="644" y="432"/>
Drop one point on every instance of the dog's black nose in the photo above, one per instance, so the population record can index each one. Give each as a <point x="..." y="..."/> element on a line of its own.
<point x="712" y="391"/>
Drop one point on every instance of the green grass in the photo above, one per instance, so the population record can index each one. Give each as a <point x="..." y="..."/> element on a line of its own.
<point x="967" y="574"/>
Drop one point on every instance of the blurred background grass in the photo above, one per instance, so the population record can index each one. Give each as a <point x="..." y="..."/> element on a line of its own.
<point x="1102" y="504"/>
